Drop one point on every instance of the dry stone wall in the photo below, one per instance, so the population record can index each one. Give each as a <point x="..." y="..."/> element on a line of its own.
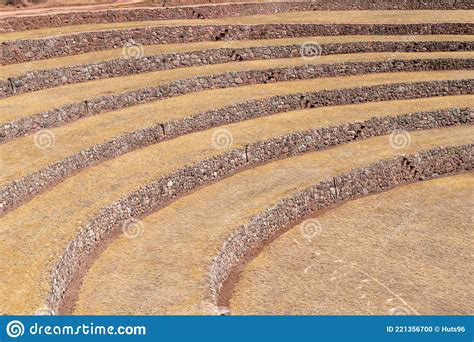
<point x="209" y="12"/>
<point x="157" y="194"/>
<point x="377" y="177"/>
<point x="60" y="116"/>
<point x="17" y="192"/>
<point x="77" y="43"/>
<point x="41" y="79"/>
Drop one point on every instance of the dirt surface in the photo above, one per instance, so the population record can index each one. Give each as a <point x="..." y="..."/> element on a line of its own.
<point x="405" y="251"/>
<point x="163" y="271"/>
<point x="313" y="17"/>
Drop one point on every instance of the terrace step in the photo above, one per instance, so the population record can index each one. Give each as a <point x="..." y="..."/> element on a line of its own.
<point x="177" y="243"/>
<point x="94" y="58"/>
<point x="303" y="17"/>
<point x="144" y="185"/>
<point x="25" y="113"/>
<point x="51" y="17"/>
<point x="133" y="61"/>
<point x="404" y="251"/>
<point x="53" y="156"/>
<point x="66" y="208"/>
<point x="17" y="51"/>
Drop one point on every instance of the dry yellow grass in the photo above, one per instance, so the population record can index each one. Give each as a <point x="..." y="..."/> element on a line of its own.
<point x="11" y="70"/>
<point x="164" y="270"/>
<point x="22" y="105"/>
<point x="20" y="156"/>
<point x="35" y="234"/>
<point x="313" y="17"/>
<point x="407" y="251"/>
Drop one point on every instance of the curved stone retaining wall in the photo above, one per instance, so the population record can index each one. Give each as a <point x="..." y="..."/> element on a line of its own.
<point x="41" y="79"/>
<point x="377" y="177"/>
<point x="20" y="191"/>
<point x="157" y="194"/>
<point x="60" y="116"/>
<point x="36" y="49"/>
<point x="208" y="12"/>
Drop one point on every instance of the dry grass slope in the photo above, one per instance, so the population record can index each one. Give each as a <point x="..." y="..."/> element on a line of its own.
<point x="204" y="220"/>
<point x="164" y="269"/>
<point x="376" y="255"/>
